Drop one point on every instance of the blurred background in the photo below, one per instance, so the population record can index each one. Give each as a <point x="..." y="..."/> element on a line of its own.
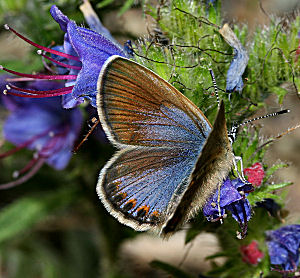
<point x="55" y="225"/>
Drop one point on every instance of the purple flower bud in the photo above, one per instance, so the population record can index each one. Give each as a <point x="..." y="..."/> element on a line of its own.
<point x="234" y="81"/>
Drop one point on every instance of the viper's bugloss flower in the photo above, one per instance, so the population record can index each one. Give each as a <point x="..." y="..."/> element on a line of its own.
<point x="271" y="206"/>
<point x="283" y="246"/>
<point x="255" y="174"/>
<point x="234" y="80"/>
<point x="251" y="254"/>
<point x="42" y="126"/>
<point x="82" y="56"/>
<point x="232" y="197"/>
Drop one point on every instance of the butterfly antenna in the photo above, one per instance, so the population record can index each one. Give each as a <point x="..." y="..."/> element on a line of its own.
<point x="265" y="116"/>
<point x="233" y="132"/>
<point x="215" y="85"/>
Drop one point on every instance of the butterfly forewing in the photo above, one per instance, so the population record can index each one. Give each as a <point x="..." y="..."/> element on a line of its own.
<point x="137" y="107"/>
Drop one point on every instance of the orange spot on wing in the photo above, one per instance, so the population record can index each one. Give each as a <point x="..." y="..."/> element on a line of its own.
<point x="133" y="201"/>
<point x="124" y="195"/>
<point x="145" y="208"/>
<point x="155" y="213"/>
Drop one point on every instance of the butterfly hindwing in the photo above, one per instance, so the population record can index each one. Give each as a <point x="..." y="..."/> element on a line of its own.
<point x="138" y="184"/>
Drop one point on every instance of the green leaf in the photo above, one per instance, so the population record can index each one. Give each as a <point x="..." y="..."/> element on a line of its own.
<point x="104" y="3"/>
<point x="172" y="270"/>
<point x="273" y="187"/>
<point x="297" y="82"/>
<point x="273" y="169"/>
<point x="280" y="92"/>
<point x="127" y="5"/>
<point x="24" y="213"/>
<point x="217" y="255"/>
<point x="191" y="234"/>
<point x="265" y="191"/>
<point x="258" y="197"/>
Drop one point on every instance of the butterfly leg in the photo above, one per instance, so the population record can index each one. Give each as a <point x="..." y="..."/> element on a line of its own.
<point x="219" y="207"/>
<point x="240" y="173"/>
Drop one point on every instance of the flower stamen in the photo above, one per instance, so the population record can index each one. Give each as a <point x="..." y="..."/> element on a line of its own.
<point x="40" y="76"/>
<point x="22" y="146"/>
<point x="39" y="163"/>
<point x="57" y="62"/>
<point x="26" y="168"/>
<point x="62" y="54"/>
<point x="47" y="93"/>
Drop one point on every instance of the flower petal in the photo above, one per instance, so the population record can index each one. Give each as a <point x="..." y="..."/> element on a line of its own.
<point x="59" y="17"/>
<point x="283" y="245"/>
<point x="278" y="254"/>
<point x="94" y="22"/>
<point x="234" y="81"/>
<point x="69" y="102"/>
<point x="93" y="50"/>
<point x="44" y="126"/>
<point x="240" y="209"/>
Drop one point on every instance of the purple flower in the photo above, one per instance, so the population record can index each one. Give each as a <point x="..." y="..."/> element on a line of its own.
<point x="232" y="198"/>
<point x="234" y="81"/>
<point x="283" y="245"/>
<point x="42" y="126"/>
<point x="82" y="57"/>
<point x="271" y="206"/>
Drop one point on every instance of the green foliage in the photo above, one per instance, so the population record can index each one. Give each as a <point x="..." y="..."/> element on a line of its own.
<point x="72" y="253"/>
<point x="260" y="223"/>
<point x="24" y="213"/>
<point x="195" y="45"/>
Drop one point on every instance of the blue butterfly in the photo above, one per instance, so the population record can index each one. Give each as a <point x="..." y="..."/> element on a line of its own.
<point x="170" y="159"/>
